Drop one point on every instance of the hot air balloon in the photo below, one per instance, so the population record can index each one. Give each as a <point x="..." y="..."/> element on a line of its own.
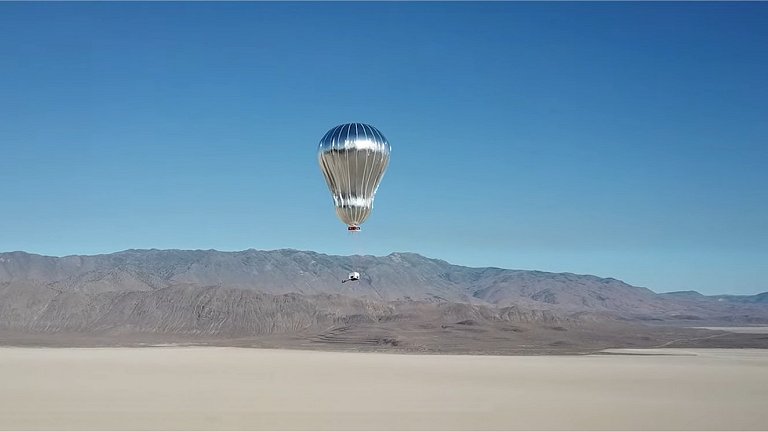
<point x="353" y="158"/>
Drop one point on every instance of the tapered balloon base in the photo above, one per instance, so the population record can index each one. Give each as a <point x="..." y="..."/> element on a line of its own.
<point x="353" y="228"/>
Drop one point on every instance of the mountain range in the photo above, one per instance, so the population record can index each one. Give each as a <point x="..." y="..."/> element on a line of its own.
<point x="199" y="294"/>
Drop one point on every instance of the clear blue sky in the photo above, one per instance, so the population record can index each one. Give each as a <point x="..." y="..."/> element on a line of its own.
<point x="618" y="139"/>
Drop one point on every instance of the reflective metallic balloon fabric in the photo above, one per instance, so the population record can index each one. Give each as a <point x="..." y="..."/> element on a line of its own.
<point x="353" y="158"/>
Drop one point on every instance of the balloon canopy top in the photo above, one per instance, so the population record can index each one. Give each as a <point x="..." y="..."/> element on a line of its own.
<point x="354" y="136"/>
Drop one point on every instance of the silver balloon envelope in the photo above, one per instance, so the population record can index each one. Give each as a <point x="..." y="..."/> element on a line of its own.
<point x="353" y="158"/>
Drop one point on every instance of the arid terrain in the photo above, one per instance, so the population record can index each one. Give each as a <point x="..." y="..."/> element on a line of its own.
<point x="404" y="303"/>
<point x="231" y="388"/>
<point x="164" y="340"/>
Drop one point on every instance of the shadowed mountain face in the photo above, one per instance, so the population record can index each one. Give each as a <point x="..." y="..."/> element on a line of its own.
<point x="236" y="294"/>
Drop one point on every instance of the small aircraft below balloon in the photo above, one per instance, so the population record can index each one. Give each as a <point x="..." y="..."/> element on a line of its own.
<point x="353" y="158"/>
<point x="354" y="276"/>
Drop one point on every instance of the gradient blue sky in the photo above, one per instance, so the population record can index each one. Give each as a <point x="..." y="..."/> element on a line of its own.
<point x="618" y="139"/>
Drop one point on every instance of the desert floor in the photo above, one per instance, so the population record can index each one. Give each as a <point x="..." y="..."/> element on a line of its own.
<point x="239" y="388"/>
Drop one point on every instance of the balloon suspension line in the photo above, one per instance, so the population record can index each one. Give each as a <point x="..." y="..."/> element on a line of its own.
<point x="356" y="242"/>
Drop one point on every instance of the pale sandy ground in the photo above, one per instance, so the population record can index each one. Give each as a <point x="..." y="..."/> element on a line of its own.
<point x="235" y="388"/>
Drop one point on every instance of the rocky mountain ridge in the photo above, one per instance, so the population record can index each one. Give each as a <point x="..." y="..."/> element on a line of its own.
<point x="252" y="292"/>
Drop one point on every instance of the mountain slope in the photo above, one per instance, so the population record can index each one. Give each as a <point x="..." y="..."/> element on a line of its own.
<point x="237" y="294"/>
